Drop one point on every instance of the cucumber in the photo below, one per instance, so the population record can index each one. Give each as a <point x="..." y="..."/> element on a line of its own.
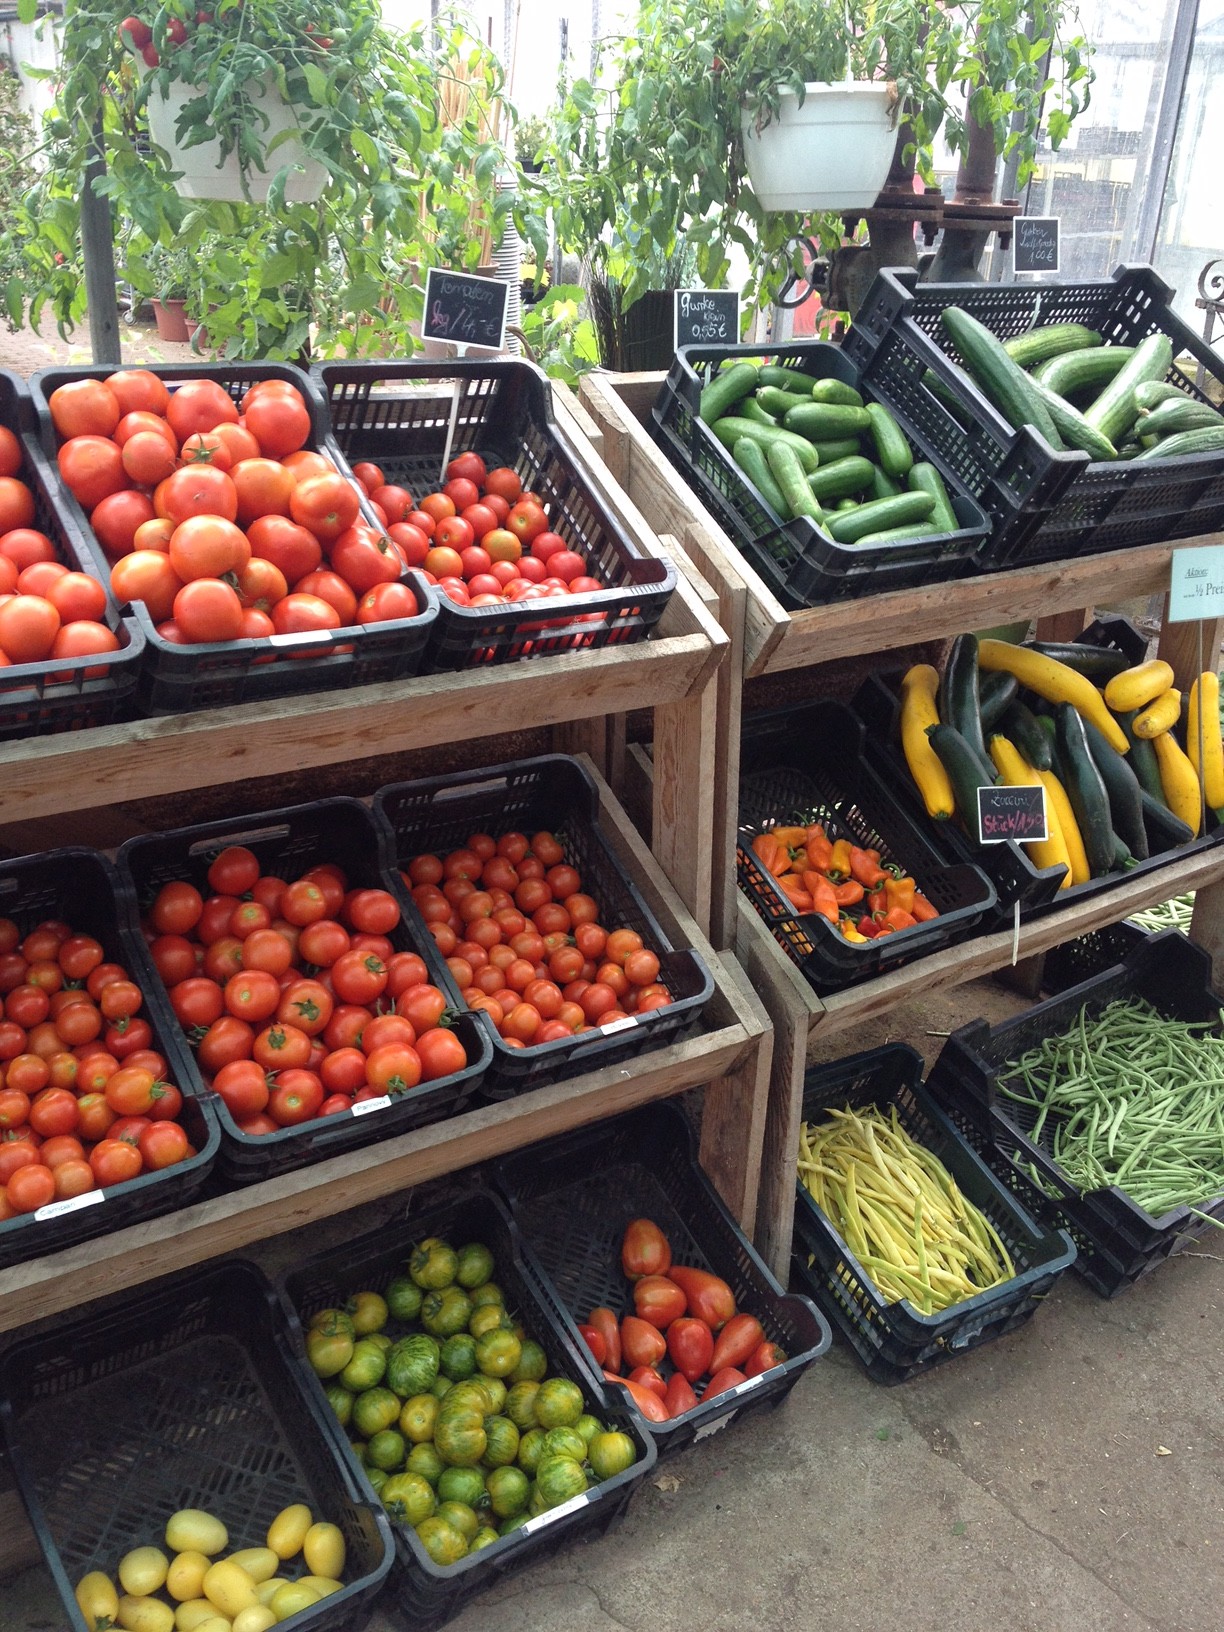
<point x="1039" y="345"/>
<point x="880" y="515"/>
<point x="1142" y="757"/>
<point x="842" y="477"/>
<point x="882" y="484"/>
<point x="1004" y="382"/>
<point x="1085" y="789"/>
<point x="1115" y="410"/>
<point x="842" y="448"/>
<point x="1083" y="373"/>
<point x="948" y="399"/>
<point x="893" y="452"/>
<point x="1074" y="429"/>
<point x="725" y="390"/>
<point x="924" y="478"/>
<point x="1168" y="418"/>
<point x="786" y="379"/>
<point x="790" y="477"/>
<point x="1097" y="662"/>
<point x="1125" y="794"/>
<point x="777" y="402"/>
<point x="836" y="391"/>
<point x="1153" y="392"/>
<point x="750" y="457"/>
<point x="897" y="535"/>
<point x="751" y="408"/>
<point x="996" y="693"/>
<point x="1020" y="726"/>
<point x="731" y="427"/>
<point x="846" y="504"/>
<point x="959" y="701"/>
<point x="826" y="421"/>
<point x="1181" y="446"/>
<point x="966" y="772"/>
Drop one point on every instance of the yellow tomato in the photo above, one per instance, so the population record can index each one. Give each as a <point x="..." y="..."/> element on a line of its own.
<point x="229" y="1587"/>
<point x="291" y="1598"/>
<point x="257" y="1619"/>
<point x="324" y="1550"/>
<point x="191" y="1530"/>
<point x="193" y="1614"/>
<point x="145" y="1615"/>
<point x="267" y="1590"/>
<point x="288" y="1530"/>
<point x="143" y="1571"/>
<point x="322" y="1584"/>
<point x="185" y="1577"/>
<point x="97" y="1600"/>
<point x="258" y="1562"/>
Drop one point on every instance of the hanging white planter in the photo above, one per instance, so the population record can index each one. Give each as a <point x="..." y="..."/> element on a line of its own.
<point x="205" y="174"/>
<point x="833" y="152"/>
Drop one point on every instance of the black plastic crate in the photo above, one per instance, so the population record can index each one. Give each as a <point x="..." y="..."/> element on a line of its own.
<point x="893" y="1340"/>
<point x="1014" y="875"/>
<point x="571" y="1199"/>
<point x="399" y="414"/>
<point x="288" y="843"/>
<point x="64" y="694"/>
<point x="175" y="679"/>
<point x="1120" y="1241"/>
<point x="424" y="1593"/>
<point x="182" y="1396"/>
<point x="799" y="564"/>
<point x="556" y="793"/>
<point x="82" y="888"/>
<point x="809" y="764"/>
<point x="1046" y="506"/>
<point x="1074" y="961"/>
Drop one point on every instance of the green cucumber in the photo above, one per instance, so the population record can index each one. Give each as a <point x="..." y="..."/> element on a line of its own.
<point x="924" y="478"/>
<point x="1020" y="726"/>
<point x="1153" y="392"/>
<point x="948" y="399"/>
<point x="1074" y="429"/>
<point x="750" y="457"/>
<point x="1039" y="345"/>
<point x="1142" y="757"/>
<point x="841" y="448"/>
<point x="967" y="772"/>
<point x="731" y="427"/>
<point x="841" y="478"/>
<point x="893" y="451"/>
<point x="777" y="402"/>
<point x="725" y="390"/>
<point x="836" y="391"/>
<point x="1083" y="373"/>
<point x="786" y="379"/>
<point x="1168" y="418"/>
<point x="750" y="408"/>
<point x="826" y="421"/>
<point x="1097" y="662"/>
<point x="880" y="515"/>
<point x="1085" y="789"/>
<point x="846" y="503"/>
<point x="882" y="484"/>
<point x="1115" y="410"/>
<point x="996" y="693"/>
<point x="896" y="535"/>
<point x="1208" y="440"/>
<point x="959" y="701"/>
<point x="789" y="475"/>
<point x="1003" y="382"/>
<point x="1125" y="794"/>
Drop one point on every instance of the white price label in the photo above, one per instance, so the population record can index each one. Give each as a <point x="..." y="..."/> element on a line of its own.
<point x="623" y="1024"/>
<point x="57" y="1209"/>
<point x="555" y="1513"/>
<point x="713" y="1427"/>
<point x="363" y="1107"/>
<point x="1196" y="584"/>
<point x="749" y="1382"/>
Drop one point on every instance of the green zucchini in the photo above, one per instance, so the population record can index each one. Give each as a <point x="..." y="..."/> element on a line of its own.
<point x="996" y="693"/>
<point x="786" y="379"/>
<point x="897" y="535"/>
<point x="1053" y="340"/>
<point x="959" y="700"/>
<point x="1208" y="440"/>
<point x="1153" y="392"/>
<point x="1083" y="373"/>
<point x="1142" y="757"/>
<point x="727" y="388"/>
<point x="1168" y="418"/>
<point x="1115" y="410"/>
<point x="751" y="408"/>
<point x="790" y="477"/>
<point x="893" y="452"/>
<point x="750" y="457"/>
<point x="880" y="515"/>
<point x="882" y="484"/>
<point x="841" y="448"/>
<point x="924" y="478"/>
<point x="825" y="421"/>
<point x="1003" y="382"/>
<point x="1020" y="726"/>
<point x="1097" y="662"/>
<point x="841" y="478"/>
<point x="1085" y="789"/>
<point x="836" y="391"/>
<point x="731" y="427"/>
<point x="1074" y="429"/>
<point x="967" y="772"/>
<point x="777" y="402"/>
<point x="1125" y="794"/>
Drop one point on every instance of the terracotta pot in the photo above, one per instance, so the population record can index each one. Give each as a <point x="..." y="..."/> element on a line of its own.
<point x="171" y="323"/>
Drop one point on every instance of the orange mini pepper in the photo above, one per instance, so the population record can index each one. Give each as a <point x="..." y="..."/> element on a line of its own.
<point x="899" y="892"/>
<point x="824" y="900"/>
<point x="774" y="857"/>
<point x="792" y="888"/>
<point x="839" y="862"/>
<point x="922" y="909"/>
<point x="865" y="867"/>
<point x="848" y="894"/>
<point x="896" y="918"/>
<point x="819" y="852"/>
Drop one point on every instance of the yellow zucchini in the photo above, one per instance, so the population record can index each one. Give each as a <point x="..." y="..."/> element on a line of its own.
<point x="1136" y="688"/>
<point x="1210" y="766"/>
<point x="1161" y="715"/>
<point x="919" y="689"/>
<point x="1059" y="801"/>
<point x="1178" y="779"/>
<point x="1055" y="682"/>
<point x="1016" y="772"/>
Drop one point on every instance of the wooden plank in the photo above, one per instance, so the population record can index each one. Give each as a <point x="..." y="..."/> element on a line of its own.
<point x="1207" y="928"/>
<point x="573" y="418"/>
<point x="636" y="788"/>
<point x="1062" y="626"/>
<point x="735" y="1109"/>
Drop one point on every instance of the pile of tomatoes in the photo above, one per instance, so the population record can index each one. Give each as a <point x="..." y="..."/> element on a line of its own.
<point x="481" y="538"/>
<point x="47" y="610"/>
<point x="524" y="943"/>
<point x="84" y="1098"/>
<point x="294" y="998"/>
<point x="217" y="516"/>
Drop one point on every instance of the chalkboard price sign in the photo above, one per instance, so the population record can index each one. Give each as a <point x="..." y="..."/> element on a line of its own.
<point x="466" y="310"/>
<point x="1035" y="243"/>
<point x="1012" y="813"/>
<point x="707" y="317"/>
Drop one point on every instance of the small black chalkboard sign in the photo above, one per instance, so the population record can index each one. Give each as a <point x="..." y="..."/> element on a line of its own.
<point x="466" y="310"/>
<point x="1012" y="813"/>
<point x="1035" y="243"/>
<point x="707" y="317"/>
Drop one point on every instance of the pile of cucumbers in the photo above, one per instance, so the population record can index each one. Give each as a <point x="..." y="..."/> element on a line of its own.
<point x="1112" y="402"/>
<point x="815" y="448"/>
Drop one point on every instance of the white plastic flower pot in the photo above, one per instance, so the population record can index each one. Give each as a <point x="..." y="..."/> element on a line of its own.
<point x="833" y="152"/>
<point x="205" y="174"/>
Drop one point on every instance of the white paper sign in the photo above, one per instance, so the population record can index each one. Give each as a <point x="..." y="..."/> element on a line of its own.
<point x="1196" y="584"/>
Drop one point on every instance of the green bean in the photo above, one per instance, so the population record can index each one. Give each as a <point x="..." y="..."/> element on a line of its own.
<point x="1174" y="914"/>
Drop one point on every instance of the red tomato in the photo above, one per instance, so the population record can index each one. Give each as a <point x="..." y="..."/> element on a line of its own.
<point x="369" y="475"/>
<point x="763" y="1358"/>
<point x="360" y="978"/>
<point x="468" y="466"/>
<point x="280" y="421"/>
<point x="387" y="603"/>
<point x="243" y="1085"/>
<point x="393" y="1068"/>
<point x="690" y="1343"/>
<point x="306" y="1004"/>
<point x="710" y="1299"/>
<point x="736" y="1343"/>
<point x="146" y="575"/>
<point x="84" y="407"/>
<point x="207" y="546"/>
<point x="595" y="1343"/>
<point x="263" y="487"/>
<point x="206" y="448"/>
<point x="227" y="1039"/>
<point x="30" y="1188"/>
<point x="162" y="1144"/>
<point x="200" y="405"/>
<point x="279" y="1047"/>
<point x="658" y="1300"/>
<point x="28" y="627"/>
<point x="327" y="505"/>
<point x="208" y="611"/>
<point x="641" y="1343"/>
<point x="332" y="588"/>
<point x="723" y="1379"/>
<point x="114" y="1162"/>
<point x="645" y="1251"/>
<point x="441" y="1054"/>
<point x="296" y="1098"/>
<point x="679" y="1397"/>
<point x="646" y="1400"/>
<point x="54" y="1111"/>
